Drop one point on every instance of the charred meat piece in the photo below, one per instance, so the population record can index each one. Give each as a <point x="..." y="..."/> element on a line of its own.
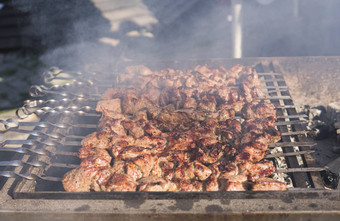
<point x="121" y="182"/>
<point x="201" y="171"/>
<point x="112" y="105"/>
<point x="256" y="170"/>
<point x="268" y="184"/>
<point x="156" y="184"/>
<point x="131" y="152"/>
<point x="235" y="183"/>
<point x="158" y="143"/>
<point x="79" y="179"/>
<point x="230" y="132"/>
<point x="174" y="130"/>
<point x="258" y="109"/>
<point x="94" y="152"/>
<point x="145" y="163"/>
<point x="163" y="168"/>
<point x="152" y="93"/>
<point x="209" y="151"/>
<point x="151" y="130"/>
<point x="182" y="141"/>
<point x="188" y="186"/>
<point x="111" y="126"/>
<point x="185" y="171"/>
<point x="170" y="119"/>
<point x="211" y="184"/>
<point x="250" y="153"/>
<point x="122" y="141"/>
<point x="176" y="156"/>
<point x="96" y="139"/>
<point x="261" y="127"/>
<point x="133" y="170"/>
<point x="100" y="180"/>
<point x="207" y="102"/>
<point x="132" y="128"/>
<point x="227" y="169"/>
<point x="95" y="161"/>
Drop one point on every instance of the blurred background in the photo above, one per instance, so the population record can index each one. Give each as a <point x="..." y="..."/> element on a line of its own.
<point x="35" y="35"/>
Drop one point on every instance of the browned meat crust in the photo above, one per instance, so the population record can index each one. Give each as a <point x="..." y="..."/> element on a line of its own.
<point x="174" y="130"/>
<point x="268" y="184"/>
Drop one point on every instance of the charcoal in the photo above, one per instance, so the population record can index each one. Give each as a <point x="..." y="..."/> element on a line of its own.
<point x="316" y="113"/>
<point x="320" y="131"/>
<point x="333" y="112"/>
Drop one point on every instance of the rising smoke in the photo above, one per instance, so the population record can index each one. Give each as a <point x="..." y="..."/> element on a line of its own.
<point x="74" y="33"/>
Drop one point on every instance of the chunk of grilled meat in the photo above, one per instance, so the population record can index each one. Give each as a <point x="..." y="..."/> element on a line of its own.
<point x="235" y="183"/>
<point x="156" y="184"/>
<point x="88" y="152"/>
<point x="201" y="171"/>
<point x="133" y="129"/>
<point x="209" y="151"/>
<point x="261" y="127"/>
<point x="251" y="153"/>
<point x="258" y="109"/>
<point x="188" y="185"/>
<point x="79" y="179"/>
<point x="121" y="183"/>
<point x="95" y="161"/>
<point x="185" y="171"/>
<point x="182" y="141"/>
<point x="111" y="126"/>
<point x="96" y="139"/>
<point x="163" y="168"/>
<point x="173" y="130"/>
<point x="256" y="170"/>
<point x="112" y="106"/>
<point x="268" y="184"/>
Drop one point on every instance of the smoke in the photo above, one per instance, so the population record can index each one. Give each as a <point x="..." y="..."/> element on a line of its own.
<point x="76" y="33"/>
<point x="292" y="28"/>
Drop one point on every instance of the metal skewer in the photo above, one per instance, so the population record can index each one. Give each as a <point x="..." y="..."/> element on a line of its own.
<point x="13" y="123"/>
<point x="291" y="144"/>
<point x="51" y="143"/>
<point x="289" y="154"/>
<point x="301" y="170"/>
<point x="303" y="132"/>
<point x="17" y="163"/>
<point x="39" y="151"/>
<point x="28" y="176"/>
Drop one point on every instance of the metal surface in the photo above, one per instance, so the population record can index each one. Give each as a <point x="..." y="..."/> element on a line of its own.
<point x="30" y="196"/>
<point x="60" y="136"/>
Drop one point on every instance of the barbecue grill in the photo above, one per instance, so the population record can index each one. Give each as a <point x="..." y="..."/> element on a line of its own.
<point x="31" y="180"/>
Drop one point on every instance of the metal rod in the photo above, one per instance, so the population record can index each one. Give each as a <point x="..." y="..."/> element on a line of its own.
<point x="24" y="150"/>
<point x="284" y="117"/>
<point x="289" y="154"/>
<point x="294" y="116"/>
<point x="301" y="170"/>
<point x="291" y="144"/>
<point x="273" y="98"/>
<point x="41" y="142"/>
<point x="268" y="73"/>
<point x="16" y="163"/>
<point x="281" y="123"/>
<point x="237" y="28"/>
<point x="303" y="132"/>
<point x="12" y="174"/>
<point x="13" y="123"/>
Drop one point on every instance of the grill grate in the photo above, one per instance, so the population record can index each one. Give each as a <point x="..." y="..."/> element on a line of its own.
<point x="60" y="133"/>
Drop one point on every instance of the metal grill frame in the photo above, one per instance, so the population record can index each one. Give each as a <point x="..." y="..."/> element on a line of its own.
<point x="26" y="188"/>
